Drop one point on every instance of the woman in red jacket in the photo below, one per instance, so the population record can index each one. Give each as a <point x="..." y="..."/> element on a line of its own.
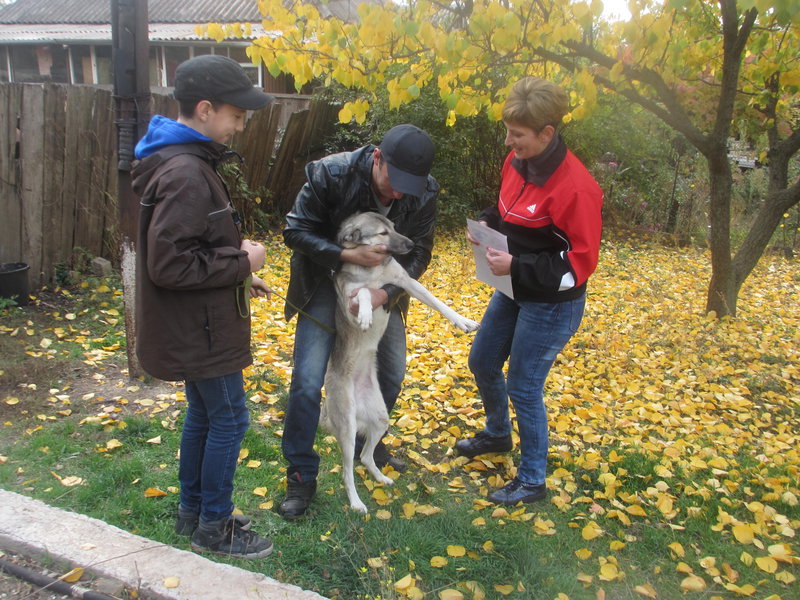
<point x="550" y="210"/>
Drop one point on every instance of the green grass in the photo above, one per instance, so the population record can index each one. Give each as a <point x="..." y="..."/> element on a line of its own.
<point x="329" y="551"/>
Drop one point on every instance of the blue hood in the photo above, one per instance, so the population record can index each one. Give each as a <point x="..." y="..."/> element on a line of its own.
<point x="166" y="132"/>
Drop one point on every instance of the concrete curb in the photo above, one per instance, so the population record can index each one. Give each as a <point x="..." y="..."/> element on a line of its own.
<point x="28" y="525"/>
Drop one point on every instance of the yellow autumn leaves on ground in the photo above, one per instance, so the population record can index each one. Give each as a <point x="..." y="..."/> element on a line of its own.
<point x="707" y="408"/>
<point x="646" y="369"/>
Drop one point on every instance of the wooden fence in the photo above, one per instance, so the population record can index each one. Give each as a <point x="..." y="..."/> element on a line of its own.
<point x="58" y="167"/>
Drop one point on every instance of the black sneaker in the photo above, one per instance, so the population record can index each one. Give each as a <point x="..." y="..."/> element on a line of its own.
<point x="299" y="494"/>
<point x="517" y="491"/>
<point x="482" y="443"/>
<point x="186" y="521"/>
<point x="223" y="537"/>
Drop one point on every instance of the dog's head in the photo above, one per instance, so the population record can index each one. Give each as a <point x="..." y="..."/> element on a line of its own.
<point x="371" y="228"/>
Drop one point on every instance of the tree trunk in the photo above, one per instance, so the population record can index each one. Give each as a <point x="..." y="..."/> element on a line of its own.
<point x="722" y="290"/>
<point x="727" y="278"/>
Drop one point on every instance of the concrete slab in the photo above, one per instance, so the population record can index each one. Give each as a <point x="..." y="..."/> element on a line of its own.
<point x="28" y="525"/>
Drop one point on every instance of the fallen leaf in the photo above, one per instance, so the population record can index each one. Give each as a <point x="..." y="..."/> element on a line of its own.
<point x="743" y="533"/>
<point x="404" y="583"/>
<point x="454" y="550"/>
<point x="591" y="530"/>
<point x="693" y="583"/>
<point x="74" y="575"/>
<point x="646" y="590"/>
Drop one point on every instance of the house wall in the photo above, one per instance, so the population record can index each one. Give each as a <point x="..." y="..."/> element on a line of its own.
<point x="92" y="64"/>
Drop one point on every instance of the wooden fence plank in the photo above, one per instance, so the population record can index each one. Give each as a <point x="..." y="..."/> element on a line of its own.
<point x="302" y="142"/>
<point x="53" y="246"/>
<point x="10" y="204"/>
<point x="89" y="217"/>
<point x="257" y="143"/>
<point x="78" y="113"/>
<point x="112" y="238"/>
<point x="31" y="178"/>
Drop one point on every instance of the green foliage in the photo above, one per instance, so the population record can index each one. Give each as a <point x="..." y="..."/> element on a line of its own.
<point x="245" y="201"/>
<point x="7" y="303"/>
<point x="468" y="154"/>
<point x="640" y="164"/>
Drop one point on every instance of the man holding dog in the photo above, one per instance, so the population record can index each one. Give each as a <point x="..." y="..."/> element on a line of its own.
<point x="392" y="179"/>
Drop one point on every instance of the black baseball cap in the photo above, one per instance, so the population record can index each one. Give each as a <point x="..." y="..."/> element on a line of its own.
<point x="408" y="151"/>
<point x="218" y="78"/>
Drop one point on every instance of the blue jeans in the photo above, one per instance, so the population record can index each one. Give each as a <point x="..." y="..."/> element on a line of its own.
<point x="312" y="347"/>
<point x="216" y="420"/>
<point x="529" y="335"/>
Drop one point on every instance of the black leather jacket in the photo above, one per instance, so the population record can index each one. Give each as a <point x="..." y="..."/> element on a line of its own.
<point x="337" y="187"/>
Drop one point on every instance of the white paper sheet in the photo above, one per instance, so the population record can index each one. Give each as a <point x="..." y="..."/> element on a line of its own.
<point x="486" y="238"/>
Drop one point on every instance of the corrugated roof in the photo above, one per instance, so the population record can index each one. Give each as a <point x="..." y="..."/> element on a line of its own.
<point x="101" y="32"/>
<point x="159" y="11"/>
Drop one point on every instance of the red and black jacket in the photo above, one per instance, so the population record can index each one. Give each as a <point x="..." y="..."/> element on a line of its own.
<point x="550" y="210"/>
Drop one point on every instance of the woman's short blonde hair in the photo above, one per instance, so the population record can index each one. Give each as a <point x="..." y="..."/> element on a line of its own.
<point x="535" y="103"/>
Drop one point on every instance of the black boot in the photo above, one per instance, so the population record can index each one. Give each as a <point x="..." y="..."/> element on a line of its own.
<point x="298" y="495"/>
<point x="482" y="443"/>
<point x="381" y="455"/>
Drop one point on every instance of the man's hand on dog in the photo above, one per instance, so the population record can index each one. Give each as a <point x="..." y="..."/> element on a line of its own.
<point x="379" y="298"/>
<point x="366" y="256"/>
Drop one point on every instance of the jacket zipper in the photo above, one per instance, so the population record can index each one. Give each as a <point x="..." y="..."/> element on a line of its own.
<point x="513" y="204"/>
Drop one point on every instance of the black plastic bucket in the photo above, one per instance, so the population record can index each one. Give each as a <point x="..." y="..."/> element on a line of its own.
<point x="14" y="282"/>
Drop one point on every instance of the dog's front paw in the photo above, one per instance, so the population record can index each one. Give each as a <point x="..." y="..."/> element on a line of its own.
<point x="466" y="325"/>
<point x="359" y="506"/>
<point x="364" y="319"/>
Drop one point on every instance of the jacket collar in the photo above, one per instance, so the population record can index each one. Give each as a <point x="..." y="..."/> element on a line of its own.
<point x="212" y="152"/>
<point x="538" y="169"/>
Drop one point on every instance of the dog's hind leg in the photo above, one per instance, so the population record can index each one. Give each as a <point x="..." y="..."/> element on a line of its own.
<point x="341" y="421"/>
<point x="372" y="421"/>
<point x="372" y="437"/>
<point x="347" y="443"/>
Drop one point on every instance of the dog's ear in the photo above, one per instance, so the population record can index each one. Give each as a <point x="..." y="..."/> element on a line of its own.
<point x="350" y="235"/>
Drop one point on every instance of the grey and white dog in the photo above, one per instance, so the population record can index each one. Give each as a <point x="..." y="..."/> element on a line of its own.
<point x="353" y="401"/>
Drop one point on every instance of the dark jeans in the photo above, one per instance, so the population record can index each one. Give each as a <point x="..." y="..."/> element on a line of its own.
<point x="216" y="420"/>
<point x="312" y="347"/>
<point x="529" y="335"/>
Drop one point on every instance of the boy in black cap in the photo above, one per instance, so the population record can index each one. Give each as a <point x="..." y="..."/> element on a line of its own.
<point x="194" y="280"/>
<point x="394" y="180"/>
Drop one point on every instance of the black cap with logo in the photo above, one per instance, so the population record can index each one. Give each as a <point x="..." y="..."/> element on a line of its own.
<point x="218" y="78"/>
<point x="408" y="151"/>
